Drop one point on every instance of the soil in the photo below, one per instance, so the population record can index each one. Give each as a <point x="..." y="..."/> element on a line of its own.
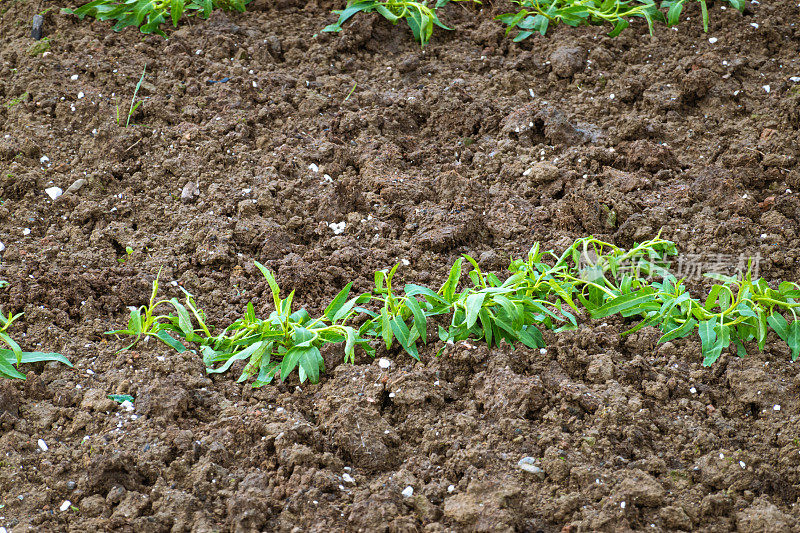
<point x="475" y="145"/>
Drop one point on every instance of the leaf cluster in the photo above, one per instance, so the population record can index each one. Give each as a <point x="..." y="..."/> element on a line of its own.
<point x="537" y="16"/>
<point x="419" y="17"/>
<point x="149" y="15"/>
<point x="543" y="291"/>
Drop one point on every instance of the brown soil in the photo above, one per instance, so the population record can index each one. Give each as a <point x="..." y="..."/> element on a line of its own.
<point x="427" y="160"/>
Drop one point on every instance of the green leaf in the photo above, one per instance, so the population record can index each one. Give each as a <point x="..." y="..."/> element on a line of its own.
<point x="711" y="343"/>
<point x="273" y="285"/>
<point x="184" y="320"/>
<point x="680" y="331"/>
<point x="419" y="318"/>
<point x="14" y="346"/>
<point x="311" y="362"/>
<point x="473" y="306"/>
<point x="401" y="332"/>
<point x="176" y="10"/>
<point x="337" y="302"/>
<point x="169" y="340"/>
<point x="780" y="325"/>
<point x="621" y="303"/>
<point x="386" y="328"/>
<point x="793" y="339"/>
<point x="135" y="322"/>
<point x="448" y="290"/>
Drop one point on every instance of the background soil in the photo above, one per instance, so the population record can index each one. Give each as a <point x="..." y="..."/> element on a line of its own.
<point x="476" y="145"/>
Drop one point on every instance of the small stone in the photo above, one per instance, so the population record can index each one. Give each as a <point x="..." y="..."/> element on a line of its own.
<point x="528" y="465"/>
<point x="53" y="192"/>
<point x="189" y="192"/>
<point x="80" y="95"/>
<point x="127" y="405"/>
<point x="348" y="478"/>
<point x="384" y="363"/>
<point x="71" y="485"/>
<point x="42" y="445"/>
<point x="2" y="247"/>
<point x="408" y="491"/>
<point x="712" y="40"/>
<point x="451" y="488"/>
<point x="776" y="407"/>
<point x="76" y="185"/>
<point x="313" y="168"/>
<point x="65" y="505"/>
<point x="74" y="77"/>
<point x="26" y="231"/>
<point x="36" y="27"/>
<point x="766" y="88"/>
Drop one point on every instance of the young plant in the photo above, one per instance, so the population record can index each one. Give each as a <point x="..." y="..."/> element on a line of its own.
<point x="149" y="15"/>
<point x="13" y="355"/>
<point x="419" y="17"/>
<point x="134" y="104"/>
<point x="544" y="290"/>
<point x="675" y="7"/>
<point x="536" y="16"/>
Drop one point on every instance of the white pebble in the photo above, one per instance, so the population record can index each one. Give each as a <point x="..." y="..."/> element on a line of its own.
<point x="74" y="77"/>
<point x="622" y="505"/>
<point x="754" y="24"/>
<point x="766" y="88"/>
<point x="776" y="407"/>
<point x="741" y="463"/>
<point x="127" y="405"/>
<point x="450" y="489"/>
<point x="693" y="390"/>
<point x="2" y="247"/>
<point x="327" y="178"/>
<point x="408" y="491"/>
<point x="543" y="351"/>
<point x="337" y="227"/>
<point x="44" y="160"/>
<point x="795" y="79"/>
<point x="384" y="363"/>
<point x="348" y="478"/>
<point x="65" y="505"/>
<point x="712" y="40"/>
<point x="313" y="168"/>
<point x="80" y="95"/>
<point x="612" y="96"/>
<point x="722" y="456"/>
<point x="42" y="445"/>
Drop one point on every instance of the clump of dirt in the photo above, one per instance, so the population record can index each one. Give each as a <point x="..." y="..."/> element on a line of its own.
<point x="475" y="145"/>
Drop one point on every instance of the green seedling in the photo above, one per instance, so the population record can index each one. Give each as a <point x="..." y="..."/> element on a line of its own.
<point x="19" y="99"/>
<point x="15" y="356"/>
<point x="543" y="291"/>
<point x="537" y="16"/>
<point x="419" y="17"/>
<point x="134" y="104"/>
<point x="675" y="8"/>
<point x="149" y="15"/>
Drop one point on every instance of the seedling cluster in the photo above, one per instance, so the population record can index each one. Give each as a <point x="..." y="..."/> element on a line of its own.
<point x="543" y="291"/>
<point x="149" y="15"/>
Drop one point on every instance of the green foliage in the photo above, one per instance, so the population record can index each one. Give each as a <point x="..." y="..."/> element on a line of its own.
<point x="13" y="355"/>
<point x="537" y="16"/>
<point x="149" y="15"/>
<point x="544" y="291"/>
<point x="418" y="16"/>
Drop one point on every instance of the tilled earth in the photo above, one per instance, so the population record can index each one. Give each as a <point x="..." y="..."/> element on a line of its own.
<point x="247" y="148"/>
